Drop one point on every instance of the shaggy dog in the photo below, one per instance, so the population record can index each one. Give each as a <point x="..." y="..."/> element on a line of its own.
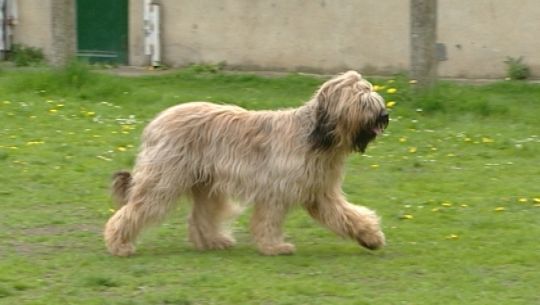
<point x="273" y="159"/>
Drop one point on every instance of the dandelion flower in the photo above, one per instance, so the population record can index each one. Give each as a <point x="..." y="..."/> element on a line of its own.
<point x="374" y="165"/>
<point x="53" y="110"/>
<point x="407" y="216"/>
<point x="487" y="140"/>
<point x="452" y="236"/>
<point x="464" y="205"/>
<point x="523" y="200"/>
<point x="121" y="148"/>
<point x="6" y="102"/>
<point x="446" y="204"/>
<point x="499" y="209"/>
<point x="391" y="90"/>
<point x="402" y="139"/>
<point x="412" y="150"/>
<point x="390" y="104"/>
<point x="536" y="200"/>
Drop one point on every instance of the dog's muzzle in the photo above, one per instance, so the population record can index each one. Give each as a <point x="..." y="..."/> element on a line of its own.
<point x="381" y="123"/>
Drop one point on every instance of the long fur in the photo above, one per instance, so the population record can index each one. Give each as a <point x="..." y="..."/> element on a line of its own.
<point x="273" y="159"/>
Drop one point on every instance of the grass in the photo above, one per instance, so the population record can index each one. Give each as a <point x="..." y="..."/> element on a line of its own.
<point x="455" y="179"/>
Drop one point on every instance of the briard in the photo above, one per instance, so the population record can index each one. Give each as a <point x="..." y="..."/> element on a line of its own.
<point x="272" y="159"/>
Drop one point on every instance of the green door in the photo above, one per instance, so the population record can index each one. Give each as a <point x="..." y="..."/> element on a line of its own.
<point x="102" y="30"/>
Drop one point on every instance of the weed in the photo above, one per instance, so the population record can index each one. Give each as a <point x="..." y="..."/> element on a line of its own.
<point x="516" y="69"/>
<point x="23" y="55"/>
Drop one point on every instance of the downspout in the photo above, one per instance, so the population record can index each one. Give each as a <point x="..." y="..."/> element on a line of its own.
<point x="152" y="43"/>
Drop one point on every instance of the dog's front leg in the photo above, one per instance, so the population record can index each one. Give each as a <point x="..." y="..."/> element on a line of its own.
<point x="266" y="225"/>
<point x="346" y="219"/>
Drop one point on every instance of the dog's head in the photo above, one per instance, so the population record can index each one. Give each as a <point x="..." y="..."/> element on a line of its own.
<point x="348" y="113"/>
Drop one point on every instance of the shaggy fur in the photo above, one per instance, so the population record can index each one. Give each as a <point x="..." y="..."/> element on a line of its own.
<point x="273" y="159"/>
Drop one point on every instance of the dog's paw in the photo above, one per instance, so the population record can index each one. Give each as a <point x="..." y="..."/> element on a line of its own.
<point x="126" y="249"/>
<point x="277" y="249"/>
<point x="220" y="243"/>
<point x="372" y="240"/>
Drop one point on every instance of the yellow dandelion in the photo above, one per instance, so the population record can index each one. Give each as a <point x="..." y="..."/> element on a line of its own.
<point x="523" y="200"/>
<point x="407" y="216"/>
<point x="6" y="102"/>
<point x="467" y="139"/>
<point x="121" y="148"/>
<point x="374" y="165"/>
<point x="34" y="142"/>
<point x="89" y="113"/>
<point x="390" y="104"/>
<point x="536" y="200"/>
<point x="463" y="205"/>
<point x="59" y="105"/>
<point x="450" y="155"/>
<point x="391" y="90"/>
<point x="412" y="150"/>
<point x="446" y="204"/>
<point x="402" y="139"/>
<point x="378" y="88"/>
<point x="50" y="102"/>
<point x="435" y="209"/>
<point x="53" y="110"/>
<point x="487" y="140"/>
<point x="452" y="236"/>
<point x="499" y="209"/>
<point x="112" y="211"/>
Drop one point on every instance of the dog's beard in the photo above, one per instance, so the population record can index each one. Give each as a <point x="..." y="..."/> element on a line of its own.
<point x="362" y="139"/>
<point x="365" y="135"/>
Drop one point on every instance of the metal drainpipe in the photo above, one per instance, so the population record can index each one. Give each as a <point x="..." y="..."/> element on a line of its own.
<point x="152" y="43"/>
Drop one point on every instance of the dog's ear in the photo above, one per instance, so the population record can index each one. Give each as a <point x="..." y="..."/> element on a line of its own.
<point x="322" y="136"/>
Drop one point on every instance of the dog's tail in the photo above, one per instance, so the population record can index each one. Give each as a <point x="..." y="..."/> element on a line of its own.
<point x="120" y="187"/>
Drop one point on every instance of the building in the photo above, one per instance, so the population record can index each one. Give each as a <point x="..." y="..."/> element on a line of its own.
<point x="475" y="37"/>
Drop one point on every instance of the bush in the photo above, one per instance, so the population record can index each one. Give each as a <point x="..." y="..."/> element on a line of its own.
<point x="516" y="69"/>
<point x="24" y="56"/>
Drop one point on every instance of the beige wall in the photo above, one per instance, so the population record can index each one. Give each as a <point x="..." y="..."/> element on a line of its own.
<point x="480" y="34"/>
<point x="34" y="24"/>
<point x="295" y="35"/>
<point x="321" y="35"/>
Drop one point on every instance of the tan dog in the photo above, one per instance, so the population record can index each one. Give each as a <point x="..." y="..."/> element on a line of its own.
<point x="273" y="159"/>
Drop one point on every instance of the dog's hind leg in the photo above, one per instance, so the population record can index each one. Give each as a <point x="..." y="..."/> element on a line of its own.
<point x="346" y="219"/>
<point x="149" y="200"/>
<point x="266" y="229"/>
<point x="207" y="223"/>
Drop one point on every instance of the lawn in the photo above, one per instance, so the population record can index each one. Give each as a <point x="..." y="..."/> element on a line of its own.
<point x="456" y="179"/>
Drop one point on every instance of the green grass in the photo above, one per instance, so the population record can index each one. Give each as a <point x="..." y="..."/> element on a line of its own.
<point x="447" y="179"/>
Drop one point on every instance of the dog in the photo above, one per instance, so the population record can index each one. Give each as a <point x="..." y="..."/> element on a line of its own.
<point x="272" y="159"/>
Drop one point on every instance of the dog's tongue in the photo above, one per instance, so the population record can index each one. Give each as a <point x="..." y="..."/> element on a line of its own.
<point x="377" y="130"/>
